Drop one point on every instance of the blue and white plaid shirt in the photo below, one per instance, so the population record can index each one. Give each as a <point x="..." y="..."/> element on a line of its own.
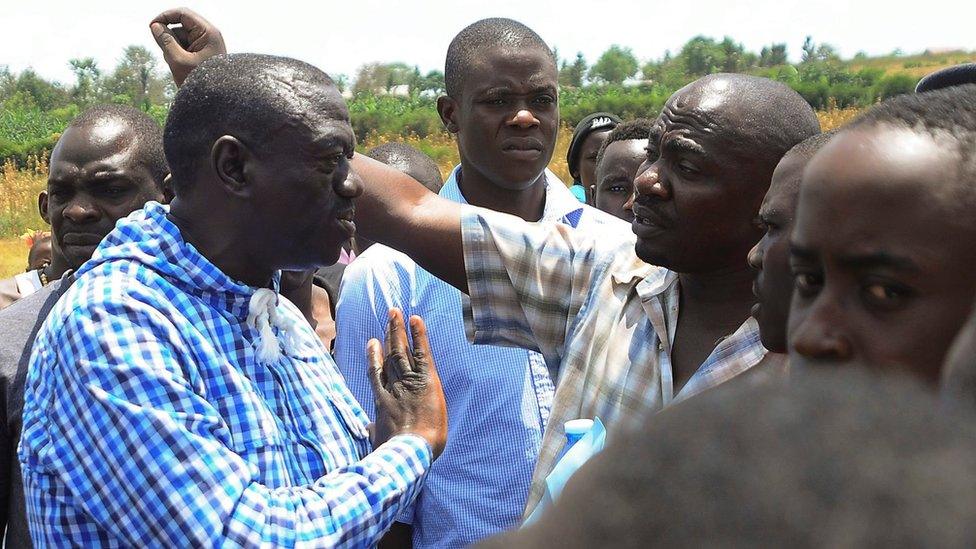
<point x="598" y="314"/>
<point x="498" y="398"/>
<point x="150" y="422"/>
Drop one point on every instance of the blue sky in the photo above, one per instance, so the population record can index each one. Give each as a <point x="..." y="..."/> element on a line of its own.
<point x="340" y="36"/>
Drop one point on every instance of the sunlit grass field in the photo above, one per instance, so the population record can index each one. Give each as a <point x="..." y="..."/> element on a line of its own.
<point x="19" y="185"/>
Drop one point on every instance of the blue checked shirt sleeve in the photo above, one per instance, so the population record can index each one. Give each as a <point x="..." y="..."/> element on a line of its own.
<point x="126" y="434"/>
<point x="527" y="282"/>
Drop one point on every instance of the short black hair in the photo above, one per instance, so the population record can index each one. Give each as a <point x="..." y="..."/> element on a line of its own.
<point x="248" y="96"/>
<point x="148" y="133"/>
<point x="804" y="150"/>
<point x="809" y="146"/>
<point x="632" y="129"/>
<point x="947" y="112"/>
<point x="950" y="76"/>
<point x="410" y="161"/>
<point x="486" y="33"/>
<point x="830" y="457"/>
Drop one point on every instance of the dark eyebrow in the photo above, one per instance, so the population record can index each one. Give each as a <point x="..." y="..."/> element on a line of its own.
<point x="334" y="137"/>
<point x="684" y="145"/>
<point x="879" y="259"/>
<point x="802" y="253"/>
<point x="506" y="89"/>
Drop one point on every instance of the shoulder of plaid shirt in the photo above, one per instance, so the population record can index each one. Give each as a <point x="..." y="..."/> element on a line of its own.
<point x="601" y="317"/>
<point x="149" y="422"/>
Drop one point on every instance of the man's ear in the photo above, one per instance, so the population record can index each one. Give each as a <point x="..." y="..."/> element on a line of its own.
<point x="229" y="158"/>
<point x="447" y="108"/>
<point x="42" y="206"/>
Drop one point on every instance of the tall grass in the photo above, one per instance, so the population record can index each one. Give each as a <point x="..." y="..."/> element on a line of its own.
<point x="19" y="187"/>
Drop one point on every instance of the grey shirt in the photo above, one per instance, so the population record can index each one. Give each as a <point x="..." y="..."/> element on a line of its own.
<point x="19" y="324"/>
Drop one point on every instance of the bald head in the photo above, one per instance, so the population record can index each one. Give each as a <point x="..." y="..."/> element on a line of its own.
<point x="143" y="135"/>
<point x="248" y="96"/>
<point x="410" y="161"/>
<point x="759" y="118"/>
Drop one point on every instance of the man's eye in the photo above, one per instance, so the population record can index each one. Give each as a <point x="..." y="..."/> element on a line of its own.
<point x="332" y="162"/>
<point x="545" y="100"/>
<point x="494" y="101"/>
<point x="807" y="284"/>
<point x="885" y="295"/>
<point x="687" y="167"/>
<point x="619" y="189"/>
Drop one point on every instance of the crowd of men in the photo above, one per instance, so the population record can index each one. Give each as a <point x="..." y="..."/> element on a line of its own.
<point x="233" y="337"/>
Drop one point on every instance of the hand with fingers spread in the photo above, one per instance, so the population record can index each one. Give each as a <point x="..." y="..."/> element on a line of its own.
<point x="188" y="45"/>
<point x="409" y="397"/>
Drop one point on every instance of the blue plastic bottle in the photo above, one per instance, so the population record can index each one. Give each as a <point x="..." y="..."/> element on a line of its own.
<point x="575" y="430"/>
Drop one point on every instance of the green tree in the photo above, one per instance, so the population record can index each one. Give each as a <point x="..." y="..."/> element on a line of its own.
<point x="614" y="66"/>
<point x="701" y="56"/>
<point x="432" y="82"/>
<point x="136" y="80"/>
<point x="382" y="77"/>
<point x="572" y="75"/>
<point x="87" y="81"/>
<point x="773" y="55"/>
<point x="809" y="50"/>
<point x="735" y="58"/>
<point x="38" y="91"/>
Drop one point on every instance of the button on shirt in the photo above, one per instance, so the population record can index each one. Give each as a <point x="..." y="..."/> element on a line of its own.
<point x="498" y="398"/>
<point x="597" y="313"/>
<point x="150" y="421"/>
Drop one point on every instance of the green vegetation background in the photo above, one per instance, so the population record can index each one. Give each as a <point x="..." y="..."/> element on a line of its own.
<point x="395" y="102"/>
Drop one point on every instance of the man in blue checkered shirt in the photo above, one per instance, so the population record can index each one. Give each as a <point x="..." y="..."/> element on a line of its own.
<point x="174" y="398"/>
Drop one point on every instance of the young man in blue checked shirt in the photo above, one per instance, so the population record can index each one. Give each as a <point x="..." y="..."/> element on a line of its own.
<point x="174" y="398"/>
<point x="502" y="104"/>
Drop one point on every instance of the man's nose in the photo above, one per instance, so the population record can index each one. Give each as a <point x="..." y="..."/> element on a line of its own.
<point x="821" y="334"/>
<point x="81" y="211"/>
<point x="350" y="186"/>
<point x="629" y="205"/>
<point x="524" y="119"/>
<point x="648" y="183"/>
<point x="755" y="256"/>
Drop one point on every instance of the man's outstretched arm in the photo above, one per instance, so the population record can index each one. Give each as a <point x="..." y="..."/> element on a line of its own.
<point x="401" y="213"/>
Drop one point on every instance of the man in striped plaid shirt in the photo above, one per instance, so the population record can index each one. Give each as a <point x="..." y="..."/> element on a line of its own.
<point x="174" y="398"/>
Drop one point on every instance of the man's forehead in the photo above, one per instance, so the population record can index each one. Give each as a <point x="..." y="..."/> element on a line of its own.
<point x="325" y="131"/>
<point x="883" y="157"/>
<point x="785" y="183"/>
<point x="108" y="141"/>
<point x="299" y="92"/>
<point x="504" y="64"/>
